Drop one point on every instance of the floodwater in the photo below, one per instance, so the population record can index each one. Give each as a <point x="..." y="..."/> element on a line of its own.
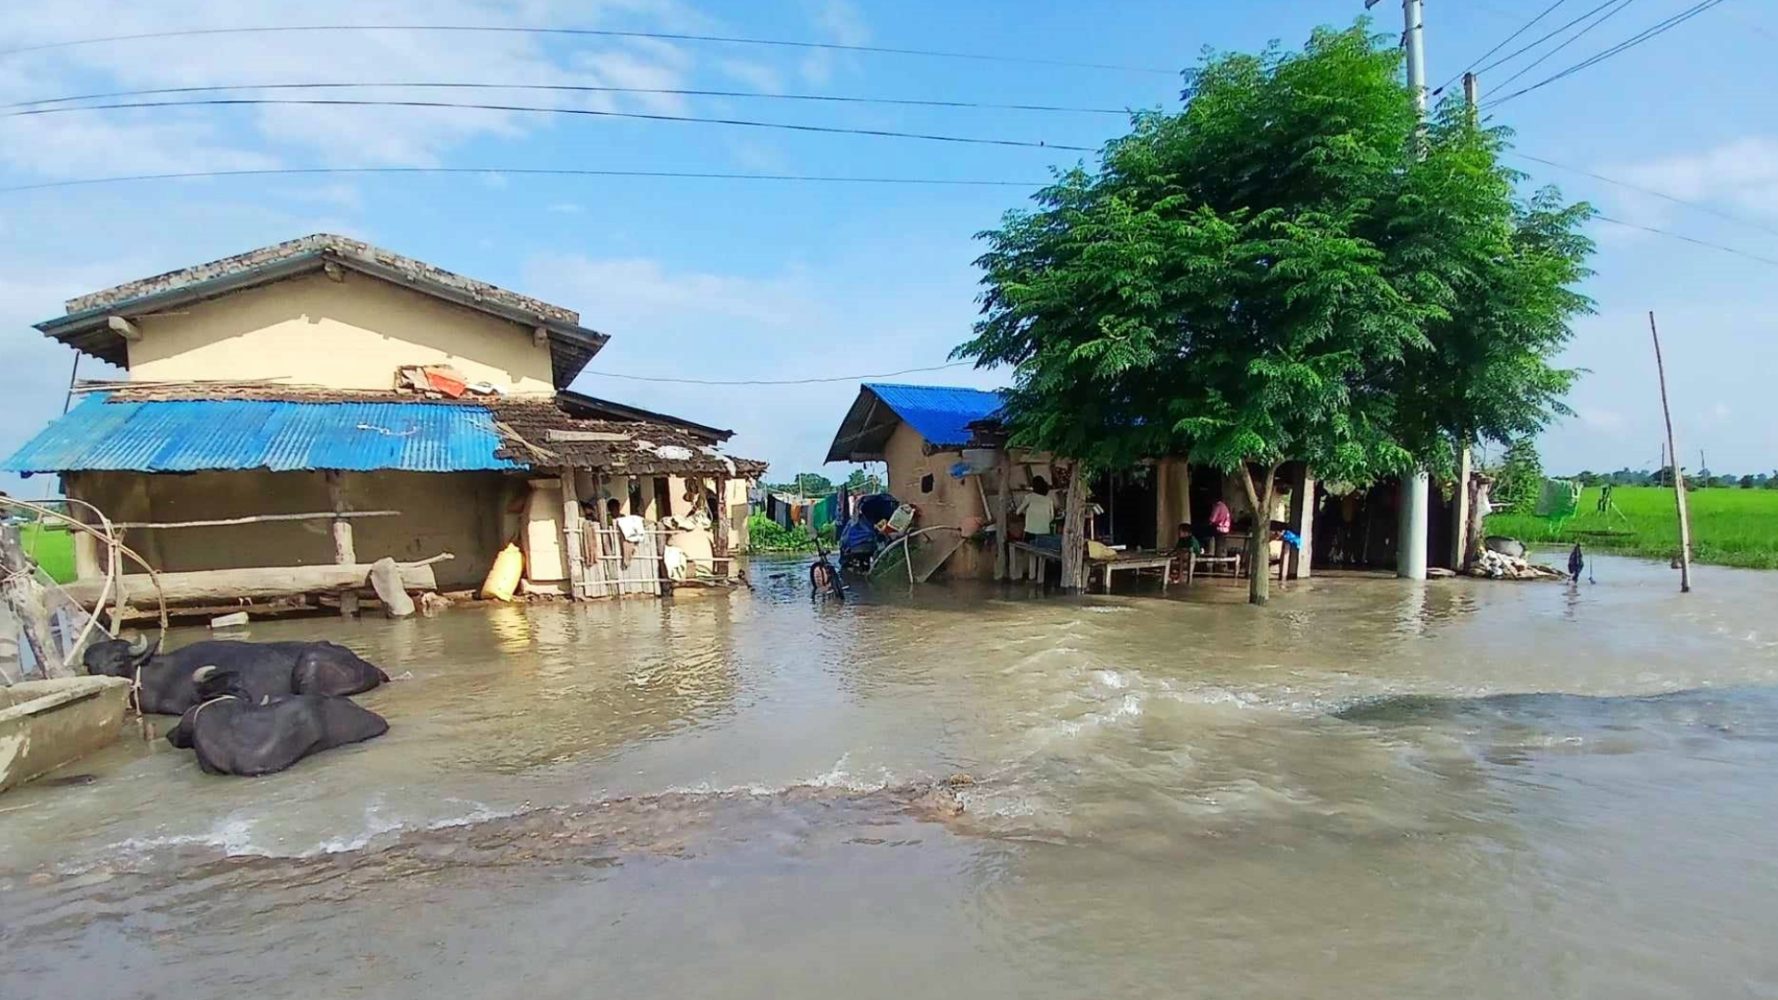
<point x="1368" y="788"/>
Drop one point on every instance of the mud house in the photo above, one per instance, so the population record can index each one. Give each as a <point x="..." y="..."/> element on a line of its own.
<point x="326" y="403"/>
<point x="946" y="452"/>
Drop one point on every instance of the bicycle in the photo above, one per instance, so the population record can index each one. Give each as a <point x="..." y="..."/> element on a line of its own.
<point x="824" y="578"/>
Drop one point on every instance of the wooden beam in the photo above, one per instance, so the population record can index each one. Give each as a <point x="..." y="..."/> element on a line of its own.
<point x="333" y="270"/>
<point x="557" y="434"/>
<point x="326" y="515"/>
<point x="540" y="336"/>
<point x="223" y="585"/>
<point x="124" y="328"/>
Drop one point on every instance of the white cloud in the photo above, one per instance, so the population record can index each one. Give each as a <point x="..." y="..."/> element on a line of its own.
<point x="761" y="77"/>
<point x="150" y="140"/>
<point x="1741" y="174"/>
<point x="566" y="208"/>
<point x="837" y="21"/>
<point x="1599" y="418"/>
<point x="633" y="295"/>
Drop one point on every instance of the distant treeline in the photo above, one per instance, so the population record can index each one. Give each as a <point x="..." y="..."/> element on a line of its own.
<point x="1664" y="477"/>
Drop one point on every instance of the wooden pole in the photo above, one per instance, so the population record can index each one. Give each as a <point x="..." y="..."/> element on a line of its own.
<point x="28" y="601"/>
<point x="720" y="541"/>
<point x="345" y="553"/>
<point x="1003" y="515"/>
<point x="571" y="529"/>
<point x="326" y="515"/>
<point x="1685" y="521"/>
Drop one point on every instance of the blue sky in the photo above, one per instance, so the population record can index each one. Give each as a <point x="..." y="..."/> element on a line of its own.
<point x="765" y="280"/>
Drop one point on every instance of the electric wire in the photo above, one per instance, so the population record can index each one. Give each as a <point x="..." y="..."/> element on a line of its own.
<point x="548" y="110"/>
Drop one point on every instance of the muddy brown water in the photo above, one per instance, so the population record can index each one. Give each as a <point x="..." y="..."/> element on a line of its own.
<point x="1369" y="788"/>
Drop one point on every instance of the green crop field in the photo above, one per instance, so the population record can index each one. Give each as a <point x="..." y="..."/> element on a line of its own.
<point x="53" y="548"/>
<point x="1730" y="527"/>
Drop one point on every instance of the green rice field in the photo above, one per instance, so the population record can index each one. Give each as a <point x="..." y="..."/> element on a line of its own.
<point x="53" y="548"/>
<point x="1730" y="527"/>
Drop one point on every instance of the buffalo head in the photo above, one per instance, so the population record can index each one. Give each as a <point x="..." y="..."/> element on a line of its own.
<point x="118" y="657"/>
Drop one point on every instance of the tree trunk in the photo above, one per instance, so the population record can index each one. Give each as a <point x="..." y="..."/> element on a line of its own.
<point x="1074" y="523"/>
<point x="1478" y="502"/>
<point x="1259" y="534"/>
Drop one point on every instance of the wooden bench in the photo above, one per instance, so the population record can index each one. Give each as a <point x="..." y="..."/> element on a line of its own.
<point x="1133" y="562"/>
<point x="1037" y="564"/>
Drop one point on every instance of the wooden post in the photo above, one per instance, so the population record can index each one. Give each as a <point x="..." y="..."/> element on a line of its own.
<point x="345" y="553"/>
<point x="1685" y="521"/>
<point x="571" y="530"/>
<point x="1074" y="524"/>
<point x="1460" y="509"/>
<point x="1003" y="515"/>
<point x="723" y="513"/>
<point x="30" y="606"/>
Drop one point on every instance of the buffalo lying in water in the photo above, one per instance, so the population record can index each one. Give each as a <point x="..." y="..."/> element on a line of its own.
<point x="262" y="669"/>
<point x="235" y="732"/>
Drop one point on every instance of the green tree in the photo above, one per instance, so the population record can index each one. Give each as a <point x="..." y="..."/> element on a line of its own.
<point x="861" y="481"/>
<point x="808" y="484"/>
<point x="1277" y="273"/>
<point x="1520" y="479"/>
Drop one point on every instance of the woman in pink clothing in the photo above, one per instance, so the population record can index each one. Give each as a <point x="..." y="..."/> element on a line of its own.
<point x="1220" y="522"/>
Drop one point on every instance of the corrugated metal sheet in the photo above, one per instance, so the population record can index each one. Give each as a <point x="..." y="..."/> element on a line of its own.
<point x="223" y="434"/>
<point x="941" y="414"/>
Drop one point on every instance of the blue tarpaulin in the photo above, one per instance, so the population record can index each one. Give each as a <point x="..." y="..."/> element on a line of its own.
<point x="234" y="434"/>
<point x="941" y="414"/>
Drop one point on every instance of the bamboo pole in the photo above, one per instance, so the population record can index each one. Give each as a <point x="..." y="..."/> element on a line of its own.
<point x="326" y="515"/>
<point x="1685" y="521"/>
<point x="1003" y="517"/>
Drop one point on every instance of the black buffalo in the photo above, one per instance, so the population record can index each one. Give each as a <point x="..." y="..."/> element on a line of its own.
<point x="235" y="732"/>
<point x="261" y="669"/>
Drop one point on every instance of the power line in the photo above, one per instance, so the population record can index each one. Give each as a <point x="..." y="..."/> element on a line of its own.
<point x="579" y="32"/>
<point x="1570" y="40"/>
<point x="1700" y="206"/>
<point x="787" y="381"/>
<point x="566" y="88"/>
<point x="548" y="110"/>
<point x="1688" y="239"/>
<point x="1629" y="43"/>
<point x="516" y="171"/>
<point x="668" y="174"/>
<point x="1503" y="43"/>
<point x="1521" y="50"/>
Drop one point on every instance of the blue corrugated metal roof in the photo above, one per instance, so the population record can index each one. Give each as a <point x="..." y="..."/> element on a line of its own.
<point x="217" y="434"/>
<point x="941" y="414"/>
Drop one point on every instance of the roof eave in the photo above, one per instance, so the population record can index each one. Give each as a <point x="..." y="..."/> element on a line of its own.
<point x="572" y="347"/>
<point x="717" y="435"/>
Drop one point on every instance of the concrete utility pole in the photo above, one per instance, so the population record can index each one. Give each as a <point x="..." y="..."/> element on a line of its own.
<point x="1410" y="545"/>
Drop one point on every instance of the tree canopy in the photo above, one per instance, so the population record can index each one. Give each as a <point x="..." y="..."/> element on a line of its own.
<point x="1293" y="267"/>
